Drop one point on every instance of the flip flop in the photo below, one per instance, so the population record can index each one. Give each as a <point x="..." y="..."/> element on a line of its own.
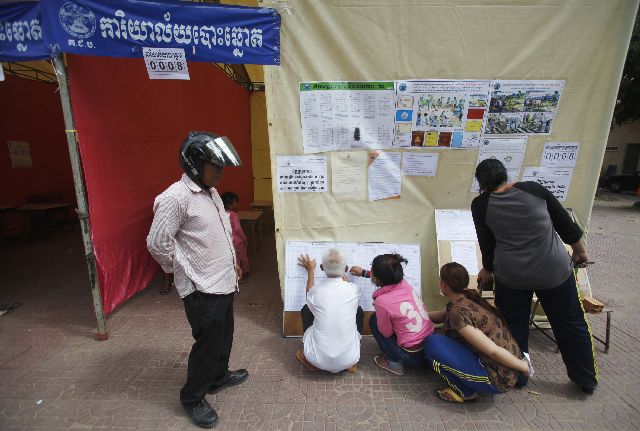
<point x="382" y="362"/>
<point x="352" y="369"/>
<point x="448" y="395"/>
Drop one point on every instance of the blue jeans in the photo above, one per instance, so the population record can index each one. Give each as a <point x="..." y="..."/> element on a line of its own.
<point x="392" y="351"/>
<point x="458" y="365"/>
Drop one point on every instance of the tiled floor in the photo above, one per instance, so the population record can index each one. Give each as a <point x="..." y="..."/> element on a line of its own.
<point x="54" y="375"/>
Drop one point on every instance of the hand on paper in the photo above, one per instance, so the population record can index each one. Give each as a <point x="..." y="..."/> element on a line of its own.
<point x="356" y="270"/>
<point x="307" y="263"/>
<point x="485" y="277"/>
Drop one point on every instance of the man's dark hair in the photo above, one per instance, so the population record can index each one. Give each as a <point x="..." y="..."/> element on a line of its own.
<point x="228" y="199"/>
<point x="387" y="268"/>
<point x="490" y="174"/>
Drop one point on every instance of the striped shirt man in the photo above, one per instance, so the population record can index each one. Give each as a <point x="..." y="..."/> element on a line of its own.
<point x="191" y="237"/>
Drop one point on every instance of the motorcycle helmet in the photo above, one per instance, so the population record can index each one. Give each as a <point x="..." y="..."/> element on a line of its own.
<point x="199" y="147"/>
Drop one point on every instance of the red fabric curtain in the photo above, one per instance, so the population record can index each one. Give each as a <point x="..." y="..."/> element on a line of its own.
<point x="32" y="113"/>
<point x="129" y="130"/>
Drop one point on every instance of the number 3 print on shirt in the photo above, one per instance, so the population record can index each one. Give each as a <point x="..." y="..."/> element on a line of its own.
<point x="417" y="316"/>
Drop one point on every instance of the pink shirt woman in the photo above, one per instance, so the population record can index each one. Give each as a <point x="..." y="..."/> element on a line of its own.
<point x="399" y="311"/>
<point x="401" y="322"/>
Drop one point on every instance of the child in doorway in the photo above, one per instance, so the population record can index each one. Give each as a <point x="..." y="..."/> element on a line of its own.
<point x="230" y="201"/>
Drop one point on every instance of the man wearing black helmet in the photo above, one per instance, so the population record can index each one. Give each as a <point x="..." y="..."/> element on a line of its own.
<point x="191" y="237"/>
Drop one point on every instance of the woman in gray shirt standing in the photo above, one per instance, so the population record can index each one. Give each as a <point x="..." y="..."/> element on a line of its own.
<point x="521" y="228"/>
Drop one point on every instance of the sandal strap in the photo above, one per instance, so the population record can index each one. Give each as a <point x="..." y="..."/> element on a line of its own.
<point x="453" y="397"/>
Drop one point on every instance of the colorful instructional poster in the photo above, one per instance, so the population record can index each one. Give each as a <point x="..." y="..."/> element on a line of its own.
<point x="302" y="174"/>
<point x="556" y="180"/>
<point x="510" y="151"/>
<point x="444" y="113"/>
<point x="522" y="107"/>
<point x="384" y="180"/>
<point x="560" y="154"/>
<point x="341" y="115"/>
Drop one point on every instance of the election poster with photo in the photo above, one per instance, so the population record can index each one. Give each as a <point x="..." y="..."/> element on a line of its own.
<point x="522" y="107"/>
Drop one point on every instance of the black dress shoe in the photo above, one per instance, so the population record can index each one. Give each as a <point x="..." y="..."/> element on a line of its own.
<point x="203" y="415"/>
<point x="588" y="389"/>
<point x="233" y="378"/>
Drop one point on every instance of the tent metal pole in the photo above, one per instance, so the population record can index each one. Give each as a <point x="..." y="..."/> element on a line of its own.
<point x="78" y="181"/>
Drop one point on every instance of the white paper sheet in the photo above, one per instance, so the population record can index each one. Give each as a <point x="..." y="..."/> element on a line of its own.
<point x="510" y="151"/>
<point x="465" y="253"/>
<point x="560" y="154"/>
<point x="166" y="63"/>
<point x="301" y="174"/>
<point x="346" y="115"/>
<point x="412" y="271"/>
<point x="357" y="254"/>
<point x="522" y="107"/>
<point x="455" y="225"/>
<point x="348" y="175"/>
<point x="296" y="276"/>
<point x="383" y="175"/>
<point x="20" y="154"/>
<point x="419" y="164"/>
<point x="557" y="180"/>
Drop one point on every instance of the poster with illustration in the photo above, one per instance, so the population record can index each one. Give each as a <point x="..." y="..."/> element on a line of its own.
<point x="522" y="107"/>
<point x="450" y="113"/>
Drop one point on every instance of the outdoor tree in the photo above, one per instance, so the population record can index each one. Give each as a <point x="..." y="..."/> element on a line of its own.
<point x="628" y="103"/>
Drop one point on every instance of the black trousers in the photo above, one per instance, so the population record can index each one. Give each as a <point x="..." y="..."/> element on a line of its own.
<point x="211" y="320"/>
<point x="307" y="318"/>
<point x="570" y="327"/>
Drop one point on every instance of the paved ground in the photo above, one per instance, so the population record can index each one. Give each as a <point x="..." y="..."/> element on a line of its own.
<point x="54" y="375"/>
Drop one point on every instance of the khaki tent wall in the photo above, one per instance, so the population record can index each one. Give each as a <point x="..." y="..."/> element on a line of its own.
<point x="260" y="148"/>
<point x="583" y="42"/>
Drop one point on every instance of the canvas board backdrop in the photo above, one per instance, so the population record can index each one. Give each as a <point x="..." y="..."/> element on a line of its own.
<point x="582" y="42"/>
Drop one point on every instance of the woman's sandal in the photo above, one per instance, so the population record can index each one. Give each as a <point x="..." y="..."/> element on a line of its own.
<point x="448" y="395"/>
<point x="383" y="363"/>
